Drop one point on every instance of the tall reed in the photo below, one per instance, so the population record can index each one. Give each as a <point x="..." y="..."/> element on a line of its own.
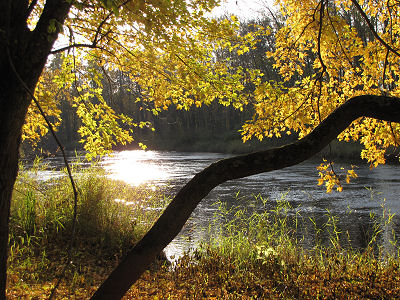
<point x="112" y="216"/>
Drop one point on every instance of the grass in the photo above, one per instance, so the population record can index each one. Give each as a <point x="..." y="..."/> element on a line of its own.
<point x="258" y="255"/>
<point x="112" y="216"/>
<point x="254" y="251"/>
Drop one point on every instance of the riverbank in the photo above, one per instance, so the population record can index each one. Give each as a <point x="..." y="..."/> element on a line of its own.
<point x="231" y="143"/>
<point x="254" y="254"/>
<point x="228" y="142"/>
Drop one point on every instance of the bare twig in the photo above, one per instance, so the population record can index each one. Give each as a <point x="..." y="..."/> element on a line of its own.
<point x="277" y="23"/>
<point x="384" y="68"/>
<point x="321" y="21"/>
<point x="320" y="77"/>
<point x="109" y="83"/>
<point x="92" y="46"/>
<point x="339" y="40"/>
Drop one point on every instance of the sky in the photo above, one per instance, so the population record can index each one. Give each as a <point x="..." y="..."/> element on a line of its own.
<point x="244" y="9"/>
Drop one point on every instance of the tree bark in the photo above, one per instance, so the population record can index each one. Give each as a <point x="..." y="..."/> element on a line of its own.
<point x="178" y="211"/>
<point x="13" y="107"/>
<point x="24" y="52"/>
<point x="11" y="121"/>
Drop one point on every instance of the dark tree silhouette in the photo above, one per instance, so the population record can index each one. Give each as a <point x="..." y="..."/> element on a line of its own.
<point x="25" y="52"/>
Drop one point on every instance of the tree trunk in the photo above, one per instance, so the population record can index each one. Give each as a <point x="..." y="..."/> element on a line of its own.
<point x="176" y="214"/>
<point x="13" y="107"/>
<point x="11" y="120"/>
<point x="24" y="52"/>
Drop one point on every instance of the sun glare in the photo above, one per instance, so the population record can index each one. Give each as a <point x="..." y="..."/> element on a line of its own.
<point x="135" y="167"/>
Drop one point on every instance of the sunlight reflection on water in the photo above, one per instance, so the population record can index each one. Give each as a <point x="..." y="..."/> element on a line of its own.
<point x="135" y="167"/>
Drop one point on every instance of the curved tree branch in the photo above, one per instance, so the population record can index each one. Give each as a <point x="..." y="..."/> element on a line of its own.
<point x="176" y="214"/>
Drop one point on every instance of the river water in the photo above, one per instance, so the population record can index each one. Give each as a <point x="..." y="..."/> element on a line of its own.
<point x="373" y="191"/>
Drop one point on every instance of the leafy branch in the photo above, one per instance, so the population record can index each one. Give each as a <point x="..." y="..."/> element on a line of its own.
<point x="371" y="27"/>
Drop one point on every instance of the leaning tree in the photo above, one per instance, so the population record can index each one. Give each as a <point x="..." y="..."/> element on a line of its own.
<point x="351" y="93"/>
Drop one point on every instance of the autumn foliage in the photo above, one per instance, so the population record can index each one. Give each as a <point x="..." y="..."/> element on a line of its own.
<point x="351" y="49"/>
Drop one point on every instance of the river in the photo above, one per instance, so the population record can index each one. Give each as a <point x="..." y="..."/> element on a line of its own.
<point x="373" y="191"/>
